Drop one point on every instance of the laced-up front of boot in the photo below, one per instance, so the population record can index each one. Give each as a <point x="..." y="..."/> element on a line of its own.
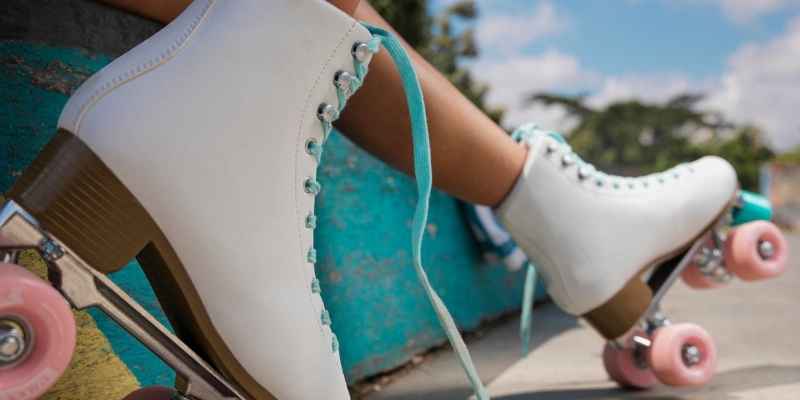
<point x="346" y="85"/>
<point x="561" y="151"/>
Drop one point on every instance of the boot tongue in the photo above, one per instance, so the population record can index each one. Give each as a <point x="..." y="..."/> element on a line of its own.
<point x="530" y="131"/>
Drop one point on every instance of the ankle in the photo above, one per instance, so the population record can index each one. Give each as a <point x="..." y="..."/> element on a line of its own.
<point x="516" y="163"/>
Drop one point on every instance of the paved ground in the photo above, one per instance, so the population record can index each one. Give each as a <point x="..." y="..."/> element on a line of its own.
<point x="755" y="325"/>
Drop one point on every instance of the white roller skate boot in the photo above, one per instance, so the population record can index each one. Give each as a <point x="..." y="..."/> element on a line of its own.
<point x="196" y="152"/>
<point x="592" y="236"/>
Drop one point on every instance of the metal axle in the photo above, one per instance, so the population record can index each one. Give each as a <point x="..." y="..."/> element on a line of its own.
<point x="13" y="341"/>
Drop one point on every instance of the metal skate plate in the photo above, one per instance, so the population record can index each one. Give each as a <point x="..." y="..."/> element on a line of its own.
<point x="664" y="276"/>
<point x="84" y="287"/>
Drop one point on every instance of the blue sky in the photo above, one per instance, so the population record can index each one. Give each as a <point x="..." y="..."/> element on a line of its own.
<point x="744" y="54"/>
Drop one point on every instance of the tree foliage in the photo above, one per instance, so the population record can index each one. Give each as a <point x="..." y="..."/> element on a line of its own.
<point x="631" y="137"/>
<point x="446" y="40"/>
<point x="627" y="137"/>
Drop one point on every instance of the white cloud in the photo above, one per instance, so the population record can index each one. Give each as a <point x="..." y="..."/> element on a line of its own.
<point x="748" y="10"/>
<point x="512" y="79"/>
<point x="762" y="84"/>
<point x="745" y="11"/>
<point x="650" y="88"/>
<point x="512" y="32"/>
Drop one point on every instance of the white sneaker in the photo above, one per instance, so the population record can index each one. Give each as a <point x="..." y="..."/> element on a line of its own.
<point x="590" y="234"/>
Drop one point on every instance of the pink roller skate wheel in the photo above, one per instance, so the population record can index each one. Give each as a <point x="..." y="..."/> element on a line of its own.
<point x="683" y="355"/>
<point x="31" y="303"/>
<point x="622" y="367"/>
<point x="756" y="250"/>
<point x="152" y="393"/>
<point x="696" y="279"/>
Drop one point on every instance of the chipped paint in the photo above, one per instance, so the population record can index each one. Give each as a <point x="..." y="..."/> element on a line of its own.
<point x="379" y="310"/>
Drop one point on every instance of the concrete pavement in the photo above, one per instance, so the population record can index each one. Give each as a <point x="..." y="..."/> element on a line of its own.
<point x="756" y="327"/>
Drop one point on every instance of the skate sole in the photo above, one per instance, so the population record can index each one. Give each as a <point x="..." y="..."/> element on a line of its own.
<point x="625" y="309"/>
<point x="77" y="198"/>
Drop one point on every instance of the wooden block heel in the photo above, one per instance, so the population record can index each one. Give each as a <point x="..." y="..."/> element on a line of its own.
<point x="619" y="314"/>
<point x="77" y="198"/>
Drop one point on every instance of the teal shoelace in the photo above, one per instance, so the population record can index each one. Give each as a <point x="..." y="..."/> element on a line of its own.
<point x="526" y="315"/>
<point x="422" y="170"/>
<point x="525" y="133"/>
<point x="346" y="85"/>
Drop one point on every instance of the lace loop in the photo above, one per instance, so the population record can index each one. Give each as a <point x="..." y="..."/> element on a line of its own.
<point x="334" y="343"/>
<point x="315" y="287"/>
<point x="311" y="256"/>
<point x="311" y="221"/>
<point x="586" y="171"/>
<point x="314" y="149"/>
<point x="312" y="186"/>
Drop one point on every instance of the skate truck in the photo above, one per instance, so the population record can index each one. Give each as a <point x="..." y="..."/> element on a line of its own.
<point x="740" y="243"/>
<point x="37" y="327"/>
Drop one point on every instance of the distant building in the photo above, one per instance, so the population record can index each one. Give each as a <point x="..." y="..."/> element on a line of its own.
<point x="781" y="183"/>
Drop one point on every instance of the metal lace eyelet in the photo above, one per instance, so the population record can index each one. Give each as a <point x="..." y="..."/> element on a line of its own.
<point x="567" y="160"/>
<point x="584" y="172"/>
<point x="311" y="221"/>
<point x="310" y="144"/>
<point x="551" y="148"/>
<point x="361" y="52"/>
<point x="315" y="287"/>
<point x="344" y="81"/>
<point x="334" y="343"/>
<point x="327" y="113"/>
<point x="311" y="256"/>
<point x="311" y="186"/>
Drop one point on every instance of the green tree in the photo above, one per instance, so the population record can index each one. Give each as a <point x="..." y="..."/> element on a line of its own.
<point x="632" y="137"/>
<point x="446" y="40"/>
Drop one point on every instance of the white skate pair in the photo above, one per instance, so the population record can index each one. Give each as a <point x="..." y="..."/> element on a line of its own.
<point x="197" y="153"/>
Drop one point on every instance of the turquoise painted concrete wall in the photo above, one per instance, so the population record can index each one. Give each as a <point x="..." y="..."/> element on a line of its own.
<point x="379" y="311"/>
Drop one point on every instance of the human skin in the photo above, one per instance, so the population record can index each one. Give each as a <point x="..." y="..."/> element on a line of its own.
<point x="472" y="158"/>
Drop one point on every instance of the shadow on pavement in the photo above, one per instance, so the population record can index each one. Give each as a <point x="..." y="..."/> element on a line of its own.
<point x="493" y="353"/>
<point x="724" y="387"/>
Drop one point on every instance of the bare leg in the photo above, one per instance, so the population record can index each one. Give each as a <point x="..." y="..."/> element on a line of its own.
<point x="473" y="158"/>
<point x="166" y="10"/>
<point x="159" y="10"/>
